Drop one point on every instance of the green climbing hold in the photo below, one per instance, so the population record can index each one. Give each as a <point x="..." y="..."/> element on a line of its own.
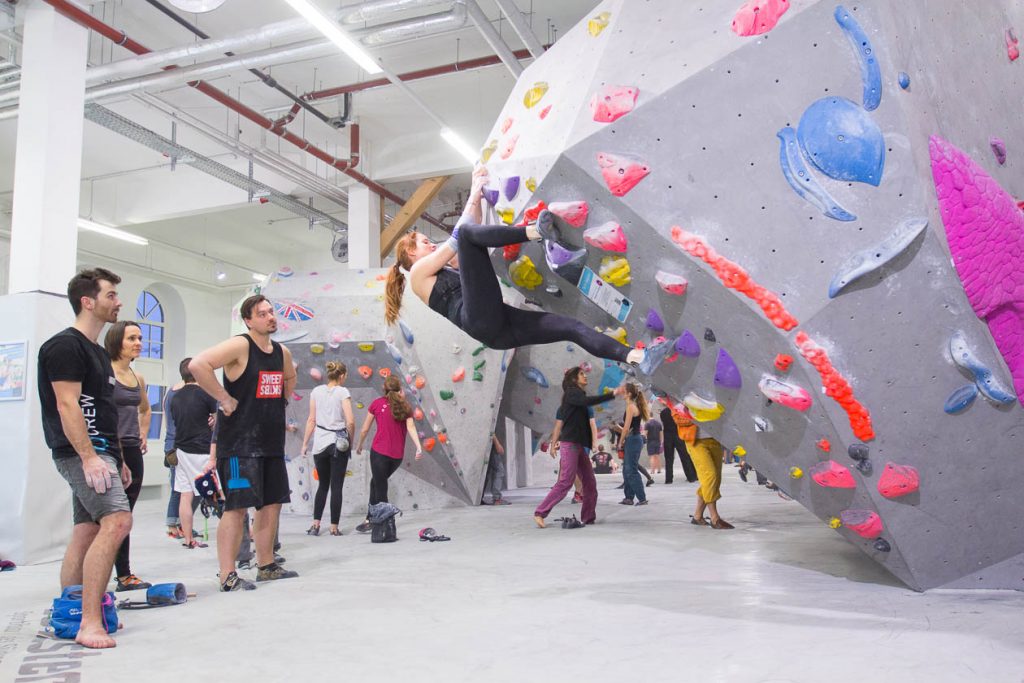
<point x="478" y="376"/>
<point x="478" y="350"/>
<point x="479" y="365"/>
<point x="447" y="394"/>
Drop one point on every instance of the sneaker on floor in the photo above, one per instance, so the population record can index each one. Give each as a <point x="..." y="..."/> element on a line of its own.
<point x="577" y="498"/>
<point x="649" y="482"/>
<point x="131" y="583"/>
<point x="364" y="527"/>
<point x="626" y="501"/>
<point x="236" y="583"/>
<point x="194" y="544"/>
<point x="642" y="502"/>
<point x="278" y="559"/>
<point x="273" y="572"/>
<point x="245" y="564"/>
<point x="500" y="501"/>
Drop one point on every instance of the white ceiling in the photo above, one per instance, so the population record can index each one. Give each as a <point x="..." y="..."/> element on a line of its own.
<point x="130" y="185"/>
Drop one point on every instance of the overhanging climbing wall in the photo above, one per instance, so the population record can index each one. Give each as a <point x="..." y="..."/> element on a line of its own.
<point x="761" y="185"/>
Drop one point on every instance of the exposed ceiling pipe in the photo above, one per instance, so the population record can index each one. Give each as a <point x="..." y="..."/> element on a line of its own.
<point x="520" y="26"/>
<point x="84" y="18"/>
<point x="424" y="26"/>
<point x="467" y="65"/>
<point x="374" y="10"/>
<point x="483" y="24"/>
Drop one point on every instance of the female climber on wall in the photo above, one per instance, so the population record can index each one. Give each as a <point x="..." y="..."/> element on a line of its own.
<point x="466" y="292"/>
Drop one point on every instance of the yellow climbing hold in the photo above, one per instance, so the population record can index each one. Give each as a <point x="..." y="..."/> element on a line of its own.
<point x="316" y="348"/>
<point x="366" y="346"/>
<point x="524" y="273"/>
<point x="598" y="23"/>
<point x="615" y="270"/>
<point x="486" y="152"/>
<point x="796" y="473"/>
<point x="360" y="406"/>
<point x="507" y="215"/>
<point x="835" y="523"/>
<point x="739" y="451"/>
<point x="535" y="94"/>
<point x="618" y="334"/>
<point x="531" y="184"/>
<point x="702" y="409"/>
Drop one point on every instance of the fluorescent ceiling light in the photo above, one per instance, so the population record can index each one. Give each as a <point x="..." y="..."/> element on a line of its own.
<point x="197" y="6"/>
<point x="460" y="145"/>
<point x="111" y="232"/>
<point x="329" y="28"/>
<point x="259" y="277"/>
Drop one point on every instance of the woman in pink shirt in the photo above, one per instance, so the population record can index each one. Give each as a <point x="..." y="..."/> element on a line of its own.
<point x="394" y="419"/>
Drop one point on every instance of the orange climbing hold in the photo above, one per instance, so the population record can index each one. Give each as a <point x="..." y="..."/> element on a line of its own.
<point x="429" y="444"/>
<point x="442" y="437"/>
<point x="420" y="382"/>
<point x="458" y="376"/>
<point x="417" y="414"/>
<point x="824" y="445"/>
<point x="837" y="387"/>
<point x="365" y="371"/>
<point x="734" y="277"/>
<point x="783" y="361"/>
<point x="384" y="372"/>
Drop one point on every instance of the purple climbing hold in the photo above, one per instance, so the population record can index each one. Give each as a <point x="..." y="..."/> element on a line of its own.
<point x="688" y="345"/>
<point x="491" y="196"/>
<point x="999" y="149"/>
<point x="654" y="321"/>
<point x="727" y="374"/>
<point x="510" y="187"/>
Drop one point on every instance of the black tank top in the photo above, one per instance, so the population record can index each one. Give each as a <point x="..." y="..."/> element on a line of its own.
<point x="256" y="428"/>
<point x="634" y="425"/>
<point x="446" y="296"/>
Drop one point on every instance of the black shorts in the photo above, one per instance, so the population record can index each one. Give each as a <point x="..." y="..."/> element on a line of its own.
<point x="253" y="482"/>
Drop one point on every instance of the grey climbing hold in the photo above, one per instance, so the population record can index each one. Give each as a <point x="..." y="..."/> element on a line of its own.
<point x="709" y="335"/>
<point x="857" y="451"/>
<point x="871" y="259"/>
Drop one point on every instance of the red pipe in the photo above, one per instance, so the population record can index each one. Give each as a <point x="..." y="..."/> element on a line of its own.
<point x="467" y="65"/>
<point x="345" y="166"/>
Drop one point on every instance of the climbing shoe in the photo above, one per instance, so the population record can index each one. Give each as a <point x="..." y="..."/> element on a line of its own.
<point x="236" y="583"/>
<point x="547" y="228"/>
<point x="273" y="572"/>
<point x="131" y="583"/>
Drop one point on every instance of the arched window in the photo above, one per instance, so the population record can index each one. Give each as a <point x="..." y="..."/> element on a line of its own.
<point x="150" y="316"/>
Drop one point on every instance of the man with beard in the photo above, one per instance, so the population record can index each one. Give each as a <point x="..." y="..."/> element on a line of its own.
<point x="258" y="376"/>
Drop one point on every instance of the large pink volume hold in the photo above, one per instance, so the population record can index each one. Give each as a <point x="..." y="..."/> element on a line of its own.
<point x="758" y="16"/>
<point x="621" y="173"/>
<point x="985" y="230"/>
<point x="612" y="102"/>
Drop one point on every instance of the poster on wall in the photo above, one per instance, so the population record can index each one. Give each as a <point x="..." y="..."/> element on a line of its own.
<point x="12" y="370"/>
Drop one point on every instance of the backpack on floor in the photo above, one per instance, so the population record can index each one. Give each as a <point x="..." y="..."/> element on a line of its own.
<point x="384" y="532"/>
<point x="66" y="615"/>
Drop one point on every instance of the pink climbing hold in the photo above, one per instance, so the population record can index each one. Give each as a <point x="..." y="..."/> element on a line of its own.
<point x="832" y="475"/>
<point x="985" y="231"/>
<point x="898" y="480"/>
<point x="1012" y="51"/>
<point x="785" y="393"/>
<point x="612" y="102"/>
<point x="506" y="124"/>
<point x="621" y="173"/>
<point x="316" y="374"/>
<point x="509" y="146"/>
<point x="607" y="236"/>
<point x="671" y="283"/>
<point x="758" y="16"/>
<point x="459" y="375"/>
<point x="573" y="213"/>
<point x="544" y="112"/>
<point x="864" y="523"/>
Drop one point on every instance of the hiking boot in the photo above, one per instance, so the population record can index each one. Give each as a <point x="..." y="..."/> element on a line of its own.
<point x="131" y="583"/>
<point x="236" y="583"/>
<point x="273" y="572"/>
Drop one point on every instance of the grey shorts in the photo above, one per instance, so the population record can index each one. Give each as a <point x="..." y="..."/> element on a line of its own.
<point x="88" y="506"/>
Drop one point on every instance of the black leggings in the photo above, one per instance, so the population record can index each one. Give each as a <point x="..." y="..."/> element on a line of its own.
<point x="330" y="468"/>
<point x="133" y="458"/>
<point x="487" y="319"/>
<point x="381" y="468"/>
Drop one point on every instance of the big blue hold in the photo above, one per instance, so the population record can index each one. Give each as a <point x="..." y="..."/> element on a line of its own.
<point x="870" y="72"/>
<point x="842" y="141"/>
<point x="536" y="376"/>
<point x="961" y="399"/>
<point x="803" y="183"/>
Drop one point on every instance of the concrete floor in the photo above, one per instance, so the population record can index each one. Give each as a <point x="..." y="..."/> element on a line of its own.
<point x="643" y="595"/>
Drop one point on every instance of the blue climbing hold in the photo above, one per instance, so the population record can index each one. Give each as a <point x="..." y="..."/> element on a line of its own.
<point x="873" y="258"/>
<point x="961" y="399"/>
<point x="727" y="374"/>
<point x="963" y="355"/>
<point x="536" y="376"/>
<point x="395" y="355"/>
<point x="799" y="178"/>
<point x="904" y="79"/>
<point x="654" y="322"/>
<point x="842" y="141"/>
<point x="870" y="72"/>
<point x="406" y="332"/>
<point x="612" y="377"/>
<point x="510" y="187"/>
<point x="688" y="345"/>
<point x="504" y="360"/>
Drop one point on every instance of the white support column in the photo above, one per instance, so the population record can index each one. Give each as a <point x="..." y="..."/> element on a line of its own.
<point x="363" y="228"/>
<point x="48" y="163"/>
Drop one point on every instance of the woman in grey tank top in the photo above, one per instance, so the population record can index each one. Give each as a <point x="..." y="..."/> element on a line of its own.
<point x="124" y="344"/>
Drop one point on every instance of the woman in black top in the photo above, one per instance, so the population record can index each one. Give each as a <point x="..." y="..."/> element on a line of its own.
<point x="632" y="442"/>
<point x="574" y="439"/>
<point x="469" y="295"/>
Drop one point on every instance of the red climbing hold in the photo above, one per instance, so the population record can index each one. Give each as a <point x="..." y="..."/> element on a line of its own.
<point x="1012" y="51"/>
<point x="621" y="173"/>
<point x="758" y="16"/>
<point x="783" y="361"/>
<point x="898" y="480"/>
<point x="511" y="251"/>
<point x="612" y="102"/>
<point x="864" y="523"/>
<point x="734" y="277"/>
<point x="429" y="444"/>
<point x="837" y="387"/>
<point x="832" y="475"/>
<point x="824" y="445"/>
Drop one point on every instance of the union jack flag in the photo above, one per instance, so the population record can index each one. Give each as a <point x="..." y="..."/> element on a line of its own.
<point x="293" y="311"/>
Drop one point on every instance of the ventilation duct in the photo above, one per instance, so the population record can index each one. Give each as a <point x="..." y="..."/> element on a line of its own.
<point x="429" y="25"/>
<point x="375" y="10"/>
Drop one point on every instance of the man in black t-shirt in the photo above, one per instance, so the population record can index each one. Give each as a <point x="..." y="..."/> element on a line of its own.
<point x="602" y="461"/>
<point x="191" y="410"/>
<point x="76" y="391"/>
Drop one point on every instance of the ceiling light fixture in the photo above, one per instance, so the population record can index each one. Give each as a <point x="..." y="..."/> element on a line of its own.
<point x="259" y="277"/>
<point x="218" y="271"/>
<point x="197" y="6"/>
<point x="335" y="34"/>
<point x="460" y="145"/>
<point x="91" y="226"/>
